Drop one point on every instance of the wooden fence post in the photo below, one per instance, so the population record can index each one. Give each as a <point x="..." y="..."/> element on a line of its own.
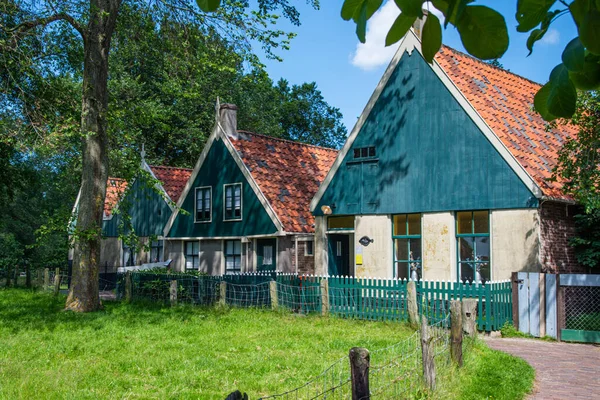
<point x="427" y="352"/>
<point x="324" y="297"/>
<point x="456" y="332"/>
<point x="514" y="280"/>
<point x="560" y="308"/>
<point x="16" y="276"/>
<point x="359" y="372"/>
<point x="46" y="278"/>
<point x="542" y="285"/>
<point x="128" y="287"/>
<point x="469" y="316"/>
<point x="39" y="282"/>
<point x="56" y="281"/>
<point x="222" y="293"/>
<point x="173" y="292"/>
<point x="273" y="293"/>
<point x="413" y="308"/>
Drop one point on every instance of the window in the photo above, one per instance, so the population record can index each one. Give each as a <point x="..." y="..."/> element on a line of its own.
<point x="364" y="152"/>
<point x="473" y="240"/>
<point x="233" y="202"/>
<point x="340" y="223"/>
<point x="203" y="204"/>
<point x="129" y="255"/>
<point x="192" y="255"/>
<point x="233" y="256"/>
<point x="406" y="234"/>
<point x="309" y="248"/>
<point x="156" y="249"/>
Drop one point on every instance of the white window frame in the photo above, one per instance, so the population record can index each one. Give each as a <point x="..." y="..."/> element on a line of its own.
<point x="196" y="204"/>
<point x="186" y="255"/>
<point x="233" y="199"/>
<point x="306" y="253"/>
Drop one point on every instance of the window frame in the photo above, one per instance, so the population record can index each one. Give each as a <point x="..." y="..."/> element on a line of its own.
<point x="203" y="221"/>
<point x="409" y="238"/>
<point x="312" y="249"/>
<point x="159" y="246"/>
<point x="194" y="256"/>
<point x="241" y="217"/>
<point x="472" y="235"/>
<point x="226" y="255"/>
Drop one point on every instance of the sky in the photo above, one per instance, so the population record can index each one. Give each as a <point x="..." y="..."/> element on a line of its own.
<point x="327" y="51"/>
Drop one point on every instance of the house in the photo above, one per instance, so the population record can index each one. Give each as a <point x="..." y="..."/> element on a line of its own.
<point x="148" y="210"/>
<point x="246" y="205"/>
<point x="445" y="177"/>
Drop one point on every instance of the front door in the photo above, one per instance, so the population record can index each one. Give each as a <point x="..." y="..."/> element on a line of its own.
<point x="339" y="255"/>
<point x="266" y="254"/>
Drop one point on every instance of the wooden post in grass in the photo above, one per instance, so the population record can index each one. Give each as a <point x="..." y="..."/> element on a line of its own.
<point x="40" y="278"/>
<point x="173" y="293"/>
<point x="222" y="294"/>
<point x="469" y="316"/>
<point x="359" y="372"/>
<point x="273" y="293"/>
<point x="56" y="281"/>
<point x="427" y="352"/>
<point x="456" y="332"/>
<point x="128" y="287"/>
<point x="413" y="308"/>
<point x="324" y="296"/>
<point x="16" y="276"/>
<point x="46" y="278"/>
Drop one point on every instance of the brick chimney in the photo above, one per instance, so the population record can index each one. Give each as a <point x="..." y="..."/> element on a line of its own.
<point x="228" y="120"/>
<point x="418" y="24"/>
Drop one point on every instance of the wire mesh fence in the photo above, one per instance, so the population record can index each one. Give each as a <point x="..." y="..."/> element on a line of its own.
<point x="582" y="308"/>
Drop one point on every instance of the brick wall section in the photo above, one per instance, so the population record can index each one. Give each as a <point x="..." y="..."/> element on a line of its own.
<point x="306" y="264"/>
<point x="557" y="227"/>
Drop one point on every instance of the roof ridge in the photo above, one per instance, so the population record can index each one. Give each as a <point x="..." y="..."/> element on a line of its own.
<point x="168" y="167"/>
<point x="490" y="65"/>
<point x="288" y="141"/>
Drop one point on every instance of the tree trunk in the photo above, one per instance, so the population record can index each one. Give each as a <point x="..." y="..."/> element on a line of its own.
<point x="83" y="293"/>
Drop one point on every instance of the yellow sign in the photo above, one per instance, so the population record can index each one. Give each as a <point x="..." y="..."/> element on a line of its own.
<point x="359" y="259"/>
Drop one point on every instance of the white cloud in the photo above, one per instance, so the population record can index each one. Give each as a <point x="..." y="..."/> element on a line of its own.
<point x="551" y="37"/>
<point x="373" y="53"/>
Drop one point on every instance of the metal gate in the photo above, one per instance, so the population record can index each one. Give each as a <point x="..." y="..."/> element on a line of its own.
<point x="579" y="297"/>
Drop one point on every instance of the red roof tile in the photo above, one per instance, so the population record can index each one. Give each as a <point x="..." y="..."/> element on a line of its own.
<point x="505" y="102"/>
<point x="288" y="173"/>
<point x="173" y="179"/>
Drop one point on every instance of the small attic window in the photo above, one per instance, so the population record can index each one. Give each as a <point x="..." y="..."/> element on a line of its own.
<point x="364" y="152"/>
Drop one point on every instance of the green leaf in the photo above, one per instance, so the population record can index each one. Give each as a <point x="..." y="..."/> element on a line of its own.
<point x="588" y="78"/>
<point x="483" y="32"/>
<point x="361" y="23"/>
<point x="540" y="102"/>
<point x="562" y="98"/>
<point x="411" y="8"/>
<point x="349" y="8"/>
<point x="401" y="25"/>
<point x="574" y="55"/>
<point x="530" y="13"/>
<point x="589" y="31"/>
<point x="208" y="5"/>
<point x="534" y="36"/>
<point x="579" y="9"/>
<point x="431" y="38"/>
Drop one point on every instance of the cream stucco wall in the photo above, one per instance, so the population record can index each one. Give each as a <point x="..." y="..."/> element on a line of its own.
<point x="515" y="242"/>
<point x="377" y="256"/>
<point x="438" y="241"/>
<point x="174" y="252"/>
<point x="110" y="254"/>
<point x="320" y="250"/>
<point x="211" y="253"/>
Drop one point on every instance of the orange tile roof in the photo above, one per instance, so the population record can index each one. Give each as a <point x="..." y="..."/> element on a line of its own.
<point x="173" y="179"/>
<point x="115" y="187"/>
<point x="505" y="102"/>
<point x="288" y="173"/>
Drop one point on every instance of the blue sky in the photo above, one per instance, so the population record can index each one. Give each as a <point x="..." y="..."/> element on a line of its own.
<point x="327" y="52"/>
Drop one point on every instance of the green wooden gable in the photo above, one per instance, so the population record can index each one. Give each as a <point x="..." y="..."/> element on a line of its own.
<point x="429" y="155"/>
<point x="220" y="168"/>
<point x="148" y="210"/>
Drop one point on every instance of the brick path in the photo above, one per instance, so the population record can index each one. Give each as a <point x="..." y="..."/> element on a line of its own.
<point x="562" y="370"/>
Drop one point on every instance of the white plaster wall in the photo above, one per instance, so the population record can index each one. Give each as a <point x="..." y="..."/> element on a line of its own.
<point x="377" y="256"/>
<point x="285" y="253"/>
<point x="321" y="255"/>
<point x="438" y="241"/>
<point x="174" y="252"/>
<point x="110" y="254"/>
<point x="515" y="242"/>
<point x="211" y="253"/>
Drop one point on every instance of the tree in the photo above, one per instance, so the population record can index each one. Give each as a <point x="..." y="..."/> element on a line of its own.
<point x="94" y="21"/>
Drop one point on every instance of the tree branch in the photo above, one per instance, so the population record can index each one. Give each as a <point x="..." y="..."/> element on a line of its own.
<point x="28" y="25"/>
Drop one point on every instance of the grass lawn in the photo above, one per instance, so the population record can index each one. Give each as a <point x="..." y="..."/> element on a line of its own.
<point x="148" y="351"/>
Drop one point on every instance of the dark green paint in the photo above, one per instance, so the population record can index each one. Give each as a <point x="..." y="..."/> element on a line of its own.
<point x="339" y="264"/>
<point x="260" y="251"/>
<point x="147" y="208"/>
<point x="430" y="155"/>
<point x="574" y="335"/>
<point x="220" y="168"/>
